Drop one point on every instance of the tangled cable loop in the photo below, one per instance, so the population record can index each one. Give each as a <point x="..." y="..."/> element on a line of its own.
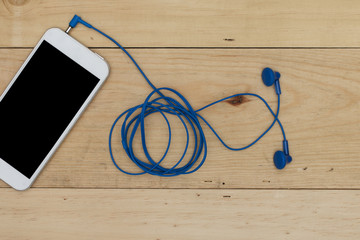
<point x="163" y="105"/>
<point x="167" y="105"/>
<point x="184" y="112"/>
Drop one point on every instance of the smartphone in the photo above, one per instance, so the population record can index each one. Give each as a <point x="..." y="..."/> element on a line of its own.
<point x="42" y="103"/>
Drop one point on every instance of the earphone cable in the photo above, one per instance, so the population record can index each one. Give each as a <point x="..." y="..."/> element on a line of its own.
<point x="168" y="105"/>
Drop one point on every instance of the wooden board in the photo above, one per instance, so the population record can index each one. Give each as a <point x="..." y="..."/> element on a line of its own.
<point x="188" y="23"/>
<point x="173" y="214"/>
<point x="320" y="111"/>
<point x="206" y="50"/>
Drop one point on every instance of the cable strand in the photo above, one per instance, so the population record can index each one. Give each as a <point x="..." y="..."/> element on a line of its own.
<point x="184" y="112"/>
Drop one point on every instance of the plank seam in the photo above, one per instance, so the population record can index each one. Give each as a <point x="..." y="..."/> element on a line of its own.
<point x="270" y="189"/>
<point x="185" y="48"/>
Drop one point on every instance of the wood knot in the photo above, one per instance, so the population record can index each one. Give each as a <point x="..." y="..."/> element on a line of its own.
<point x="235" y="101"/>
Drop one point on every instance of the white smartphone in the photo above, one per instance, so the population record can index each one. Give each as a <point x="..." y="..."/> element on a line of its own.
<point x="43" y="101"/>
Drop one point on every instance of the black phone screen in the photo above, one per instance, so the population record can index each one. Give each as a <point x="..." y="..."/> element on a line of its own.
<point x="40" y="105"/>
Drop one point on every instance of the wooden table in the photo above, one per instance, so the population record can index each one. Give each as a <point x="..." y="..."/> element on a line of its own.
<point x="206" y="50"/>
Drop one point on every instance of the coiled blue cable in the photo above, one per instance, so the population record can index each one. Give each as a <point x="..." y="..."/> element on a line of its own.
<point x="168" y="105"/>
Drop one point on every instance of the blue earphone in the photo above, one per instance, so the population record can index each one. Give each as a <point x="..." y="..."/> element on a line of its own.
<point x="158" y="102"/>
<point x="281" y="158"/>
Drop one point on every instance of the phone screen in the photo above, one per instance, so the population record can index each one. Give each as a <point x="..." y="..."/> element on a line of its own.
<point x="40" y="105"/>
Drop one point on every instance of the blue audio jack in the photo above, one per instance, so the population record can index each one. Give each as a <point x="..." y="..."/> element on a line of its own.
<point x="163" y="105"/>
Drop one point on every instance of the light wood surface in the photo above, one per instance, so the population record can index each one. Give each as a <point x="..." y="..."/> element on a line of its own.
<point x="179" y="214"/>
<point x="320" y="111"/>
<point x="235" y="195"/>
<point x="188" y="23"/>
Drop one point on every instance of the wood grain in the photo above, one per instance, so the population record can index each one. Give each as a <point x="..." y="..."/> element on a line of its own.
<point x="173" y="214"/>
<point x="320" y="111"/>
<point x="188" y="23"/>
<point x="235" y="195"/>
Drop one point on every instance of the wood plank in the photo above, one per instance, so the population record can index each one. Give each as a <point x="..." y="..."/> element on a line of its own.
<point x="179" y="214"/>
<point x="187" y="23"/>
<point x="320" y="111"/>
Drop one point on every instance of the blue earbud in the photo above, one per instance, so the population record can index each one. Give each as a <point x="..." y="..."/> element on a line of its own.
<point x="281" y="158"/>
<point x="270" y="77"/>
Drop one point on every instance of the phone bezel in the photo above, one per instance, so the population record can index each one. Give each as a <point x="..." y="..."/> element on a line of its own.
<point x="84" y="57"/>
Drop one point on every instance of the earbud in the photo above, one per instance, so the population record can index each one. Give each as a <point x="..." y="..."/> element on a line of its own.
<point x="281" y="158"/>
<point x="270" y="77"/>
